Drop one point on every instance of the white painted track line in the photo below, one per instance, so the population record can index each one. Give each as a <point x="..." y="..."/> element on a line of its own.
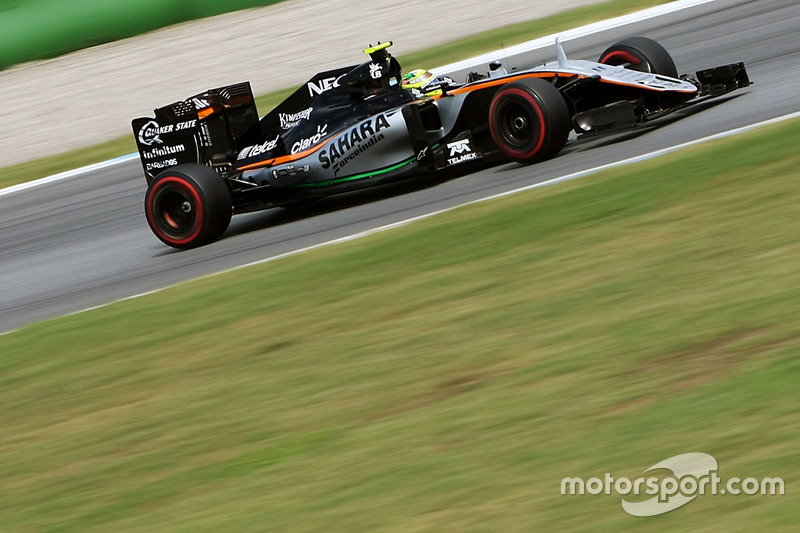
<point x="567" y="177"/>
<point x="67" y="174"/>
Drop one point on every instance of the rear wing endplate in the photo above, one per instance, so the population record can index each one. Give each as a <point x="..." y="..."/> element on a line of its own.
<point x="207" y="128"/>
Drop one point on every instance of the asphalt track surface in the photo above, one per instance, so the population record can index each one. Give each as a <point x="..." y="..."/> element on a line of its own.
<point x="83" y="242"/>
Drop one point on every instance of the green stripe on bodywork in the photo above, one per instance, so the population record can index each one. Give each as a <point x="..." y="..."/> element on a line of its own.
<point x="328" y="183"/>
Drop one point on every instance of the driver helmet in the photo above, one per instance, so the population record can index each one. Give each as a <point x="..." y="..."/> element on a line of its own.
<point x="418" y="79"/>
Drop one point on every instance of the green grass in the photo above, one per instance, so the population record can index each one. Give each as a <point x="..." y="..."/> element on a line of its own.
<point x="443" y="376"/>
<point x="39" y="29"/>
<point x="441" y="55"/>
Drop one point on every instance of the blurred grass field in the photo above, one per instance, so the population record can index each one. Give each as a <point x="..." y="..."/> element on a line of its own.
<point x="441" y="55"/>
<point x="444" y="376"/>
<point x="39" y="29"/>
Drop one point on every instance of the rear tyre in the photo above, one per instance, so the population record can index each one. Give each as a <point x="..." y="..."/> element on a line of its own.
<point x="188" y="206"/>
<point x="642" y="54"/>
<point x="529" y="120"/>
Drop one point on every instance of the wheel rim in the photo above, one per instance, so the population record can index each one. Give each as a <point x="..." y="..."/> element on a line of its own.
<point x="175" y="211"/>
<point x="516" y="125"/>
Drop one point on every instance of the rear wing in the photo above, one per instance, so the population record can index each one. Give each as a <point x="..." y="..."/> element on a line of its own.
<point x="207" y="128"/>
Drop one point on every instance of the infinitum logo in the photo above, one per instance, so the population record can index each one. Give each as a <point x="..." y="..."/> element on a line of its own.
<point x="693" y="474"/>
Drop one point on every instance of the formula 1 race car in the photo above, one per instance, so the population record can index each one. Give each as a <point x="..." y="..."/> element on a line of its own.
<point x="210" y="156"/>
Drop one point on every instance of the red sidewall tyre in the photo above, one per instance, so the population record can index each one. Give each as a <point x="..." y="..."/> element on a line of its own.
<point x="642" y="54"/>
<point x="161" y="217"/>
<point x="188" y="206"/>
<point x="618" y="57"/>
<point x="529" y="120"/>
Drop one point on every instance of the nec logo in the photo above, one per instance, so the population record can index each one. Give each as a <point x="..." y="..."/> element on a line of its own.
<point x="319" y="87"/>
<point x="459" y="147"/>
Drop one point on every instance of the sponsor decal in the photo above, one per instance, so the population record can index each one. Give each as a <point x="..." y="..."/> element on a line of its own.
<point x="164" y="151"/>
<point x="460" y="151"/>
<point x="422" y="153"/>
<point x="290" y="120"/>
<point x="205" y="134"/>
<point x="375" y="71"/>
<point x="157" y="165"/>
<point x="290" y="171"/>
<point x="151" y="132"/>
<point x="353" y="142"/>
<point x="303" y="144"/>
<point x="200" y="103"/>
<point x="661" y="83"/>
<point x="186" y="125"/>
<point x="459" y="147"/>
<point x="319" y="87"/>
<point x="258" y="149"/>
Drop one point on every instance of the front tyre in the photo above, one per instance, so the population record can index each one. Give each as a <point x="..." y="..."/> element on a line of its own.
<point x="188" y="206"/>
<point x="529" y="120"/>
<point x="642" y="54"/>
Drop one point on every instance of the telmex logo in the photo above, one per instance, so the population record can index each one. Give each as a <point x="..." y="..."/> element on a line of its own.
<point x="459" y="147"/>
